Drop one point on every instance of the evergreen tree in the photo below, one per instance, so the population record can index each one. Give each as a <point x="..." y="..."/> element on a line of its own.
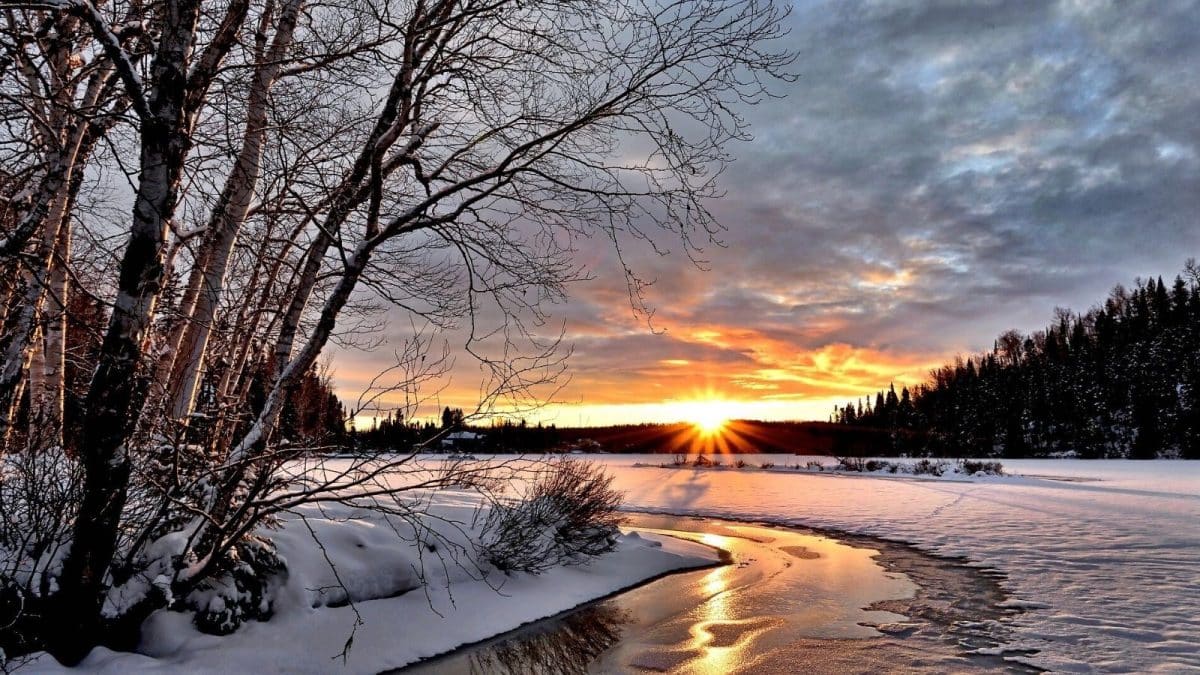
<point x="1122" y="380"/>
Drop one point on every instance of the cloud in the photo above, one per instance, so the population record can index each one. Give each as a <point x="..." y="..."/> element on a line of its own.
<point x="941" y="171"/>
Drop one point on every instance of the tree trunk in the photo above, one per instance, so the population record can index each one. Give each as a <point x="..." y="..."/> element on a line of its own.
<point x="244" y="454"/>
<point x="20" y="348"/>
<point x="163" y="372"/>
<point x="74" y="612"/>
<point x="58" y="189"/>
<point x="291" y="319"/>
<point x="35" y="377"/>
<point x="227" y="219"/>
<point x="47" y="396"/>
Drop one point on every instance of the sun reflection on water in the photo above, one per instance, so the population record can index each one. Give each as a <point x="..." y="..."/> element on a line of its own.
<point x="721" y="642"/>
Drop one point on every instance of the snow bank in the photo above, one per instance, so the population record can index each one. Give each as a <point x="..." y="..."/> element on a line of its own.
<point x="1104" y="555"/>
<point x="399" y="593"/>
<point x="924" y="469"/>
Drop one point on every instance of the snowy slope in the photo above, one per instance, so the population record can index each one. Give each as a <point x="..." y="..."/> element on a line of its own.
<point x="1109" y="566"/>
<point x="409" y="603"/>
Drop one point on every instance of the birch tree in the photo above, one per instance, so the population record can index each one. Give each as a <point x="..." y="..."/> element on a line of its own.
<point x="301" y="166"/>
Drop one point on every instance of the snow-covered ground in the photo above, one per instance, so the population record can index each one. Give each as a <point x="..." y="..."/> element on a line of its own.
<point x="1105" y="554"/>
<point x="412" y="599"/>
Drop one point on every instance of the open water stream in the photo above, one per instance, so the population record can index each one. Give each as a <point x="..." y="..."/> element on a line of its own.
<point x="787" y="600"/>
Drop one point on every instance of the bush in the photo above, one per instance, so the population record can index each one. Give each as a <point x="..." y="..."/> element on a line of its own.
<point x="972" y="467"/>
<point x="39" y="491"/>
<point x="252" y="570"/>
<point x="679" y="460"/>
<point x="569" y="515"/>
<point x="741" y="464"/>
<point x="851" y="463"/>
<point x="927" y="467"/>
<point x="702" y="460"/>
<point x="767" y="465"/>
<point x="814" y="465"/>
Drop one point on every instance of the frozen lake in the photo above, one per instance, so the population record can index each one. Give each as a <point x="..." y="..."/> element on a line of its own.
<point x="1103" y="555"/>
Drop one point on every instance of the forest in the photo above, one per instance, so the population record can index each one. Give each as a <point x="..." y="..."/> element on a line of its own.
<point x="1121" y="380"/>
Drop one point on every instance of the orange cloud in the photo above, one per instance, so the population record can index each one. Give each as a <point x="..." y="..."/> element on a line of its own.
<point x="750" y="373"/>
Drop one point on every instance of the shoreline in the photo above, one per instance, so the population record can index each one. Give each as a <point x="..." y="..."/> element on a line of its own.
<point x="723" y="558"/>
<point x="952" y="598"/>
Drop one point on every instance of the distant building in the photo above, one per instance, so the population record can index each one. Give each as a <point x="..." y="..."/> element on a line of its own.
<point x="461" y="441"/>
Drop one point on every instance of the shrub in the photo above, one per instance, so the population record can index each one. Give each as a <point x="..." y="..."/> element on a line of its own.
<point x="702" y="460"/>
<point x="741" y="464"/>
<point x="813" y="465"/>
<point x="252" y="570"/>
<point x="679" y="460"/>
<point x="851" y="463"/>
<point x="39" y="491"/>
<point x="767" y="465"/>
<point x="569" y="515"/>
<point x="927" y="467"/>
<point x="972" y="467"/>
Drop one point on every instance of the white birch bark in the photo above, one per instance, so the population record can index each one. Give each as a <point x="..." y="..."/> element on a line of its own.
<point x="227" y="219"/>
<point x="19" y="350"/>
<point x="50" y="392"/>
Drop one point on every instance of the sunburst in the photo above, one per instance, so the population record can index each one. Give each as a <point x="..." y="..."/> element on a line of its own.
<point x="708" y="417"/>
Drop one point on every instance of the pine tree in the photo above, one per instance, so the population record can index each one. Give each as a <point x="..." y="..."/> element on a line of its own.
<point x="1122" y="380"/>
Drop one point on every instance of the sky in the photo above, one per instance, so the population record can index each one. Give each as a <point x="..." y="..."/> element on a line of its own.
<point x="938" y="173"/>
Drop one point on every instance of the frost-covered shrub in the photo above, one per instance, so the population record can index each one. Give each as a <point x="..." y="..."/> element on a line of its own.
<point x="569" y="515"/>
<point x="252" y="570"/>
<point x="38" y="494"/>
<point x="813" y="465"/>
<point x="852" y="464"/>
<point x="927" y="467"/>
<point x="702" y="461"/>
<point x="740" y="464"/>
<point x="972" y="467"/>
<point x="767" y="465"/>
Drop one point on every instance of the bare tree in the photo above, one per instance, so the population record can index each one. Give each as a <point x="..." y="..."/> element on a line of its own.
<point x="300" y="167"/>
<point x="56" y="104"/>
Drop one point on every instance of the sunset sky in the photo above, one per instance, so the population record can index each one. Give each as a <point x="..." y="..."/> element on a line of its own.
<point x="939" y="172"/>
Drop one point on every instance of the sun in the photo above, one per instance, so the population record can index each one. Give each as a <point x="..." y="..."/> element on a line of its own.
<point x="707" y="416"/>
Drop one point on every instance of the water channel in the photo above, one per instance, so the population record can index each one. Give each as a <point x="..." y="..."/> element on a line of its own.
<point x="787" y="600"/>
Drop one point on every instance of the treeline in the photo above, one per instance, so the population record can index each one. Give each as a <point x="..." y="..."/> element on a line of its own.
<point x="312" y="415"/>
<point x="394" y="433"/>
<point x="737" y="436"/>
<point x="1122" y="380"/>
